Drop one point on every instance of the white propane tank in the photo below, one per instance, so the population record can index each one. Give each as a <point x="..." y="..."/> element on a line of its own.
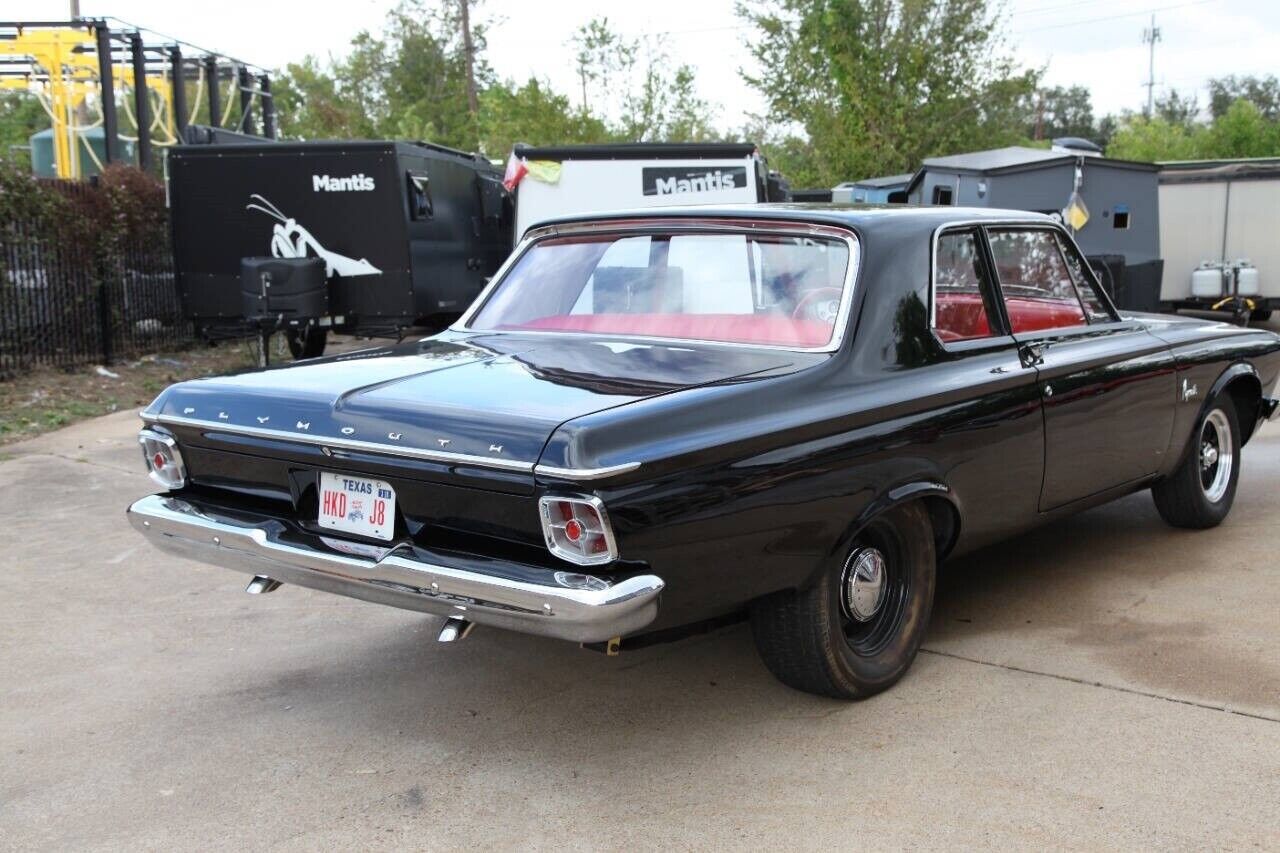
<point x="1207" y="281"/>
<point x="1249" y="283"/>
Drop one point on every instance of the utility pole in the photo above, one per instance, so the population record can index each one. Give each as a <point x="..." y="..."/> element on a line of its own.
<point x="1150" y="36"/>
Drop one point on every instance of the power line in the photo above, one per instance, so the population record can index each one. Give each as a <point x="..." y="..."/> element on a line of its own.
<point x="1114" y="17"/>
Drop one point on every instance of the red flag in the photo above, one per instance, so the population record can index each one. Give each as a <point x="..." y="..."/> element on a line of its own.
<point x="516" y="170"/>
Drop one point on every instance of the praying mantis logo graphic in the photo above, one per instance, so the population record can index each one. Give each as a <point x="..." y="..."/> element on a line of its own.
<point x="291" y="240"/>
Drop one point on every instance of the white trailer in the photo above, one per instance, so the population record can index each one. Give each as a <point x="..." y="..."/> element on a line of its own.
<point x="1220" y="230"/>
<point x="550" y="182"/>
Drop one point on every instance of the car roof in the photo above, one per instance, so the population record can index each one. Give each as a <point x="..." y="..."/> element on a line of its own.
<point x="855" y="216"/>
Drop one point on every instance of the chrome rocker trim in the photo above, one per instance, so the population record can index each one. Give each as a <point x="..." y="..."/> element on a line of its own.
<point x="578" y="608"/>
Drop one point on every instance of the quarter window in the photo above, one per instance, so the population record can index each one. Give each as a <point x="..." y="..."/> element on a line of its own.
<point x="1036" y="283"/>
<point x="1093" y="304"/>
<point x="959" y="308"/>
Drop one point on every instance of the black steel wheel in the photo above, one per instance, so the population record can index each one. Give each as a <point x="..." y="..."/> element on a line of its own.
<point x="307" y="342"/>
<point x="1200" y="492"/>
<point x="856" y="630"/>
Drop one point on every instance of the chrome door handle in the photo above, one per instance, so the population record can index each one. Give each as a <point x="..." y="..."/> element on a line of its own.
<point x="1031" y="354"/>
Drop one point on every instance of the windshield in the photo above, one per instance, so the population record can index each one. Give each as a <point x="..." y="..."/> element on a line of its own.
<point x="769" y="289"/>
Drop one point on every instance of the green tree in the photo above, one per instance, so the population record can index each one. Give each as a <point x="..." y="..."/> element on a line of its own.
<point x="1178" y="109"/>
<point x="878" y="85"/>
<point x="1060" y="111"/>
<point x="1262" y="92"/>
<point x="20" y="116"/>
<point x="533" y="113"/>
<point x="636" y="90"/>
<point x="1153" y="139"/>
<point x="410" y="83"/>
<point x="1243" y="131"/>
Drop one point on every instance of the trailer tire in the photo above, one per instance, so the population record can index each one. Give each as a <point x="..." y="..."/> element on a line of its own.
<point x="307" y="342"/>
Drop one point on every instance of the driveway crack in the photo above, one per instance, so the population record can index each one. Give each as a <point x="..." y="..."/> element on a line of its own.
<point x="1209" y="706"/>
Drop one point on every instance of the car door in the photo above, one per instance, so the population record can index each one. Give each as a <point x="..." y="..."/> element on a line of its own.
<point x="1108" y="386"/>
<point x="994" y="440"/>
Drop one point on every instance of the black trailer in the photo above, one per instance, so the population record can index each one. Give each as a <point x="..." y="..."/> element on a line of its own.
<point x="408" y="234"/>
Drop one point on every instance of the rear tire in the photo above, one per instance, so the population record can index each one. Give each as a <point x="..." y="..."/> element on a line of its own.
<point x="856" y="630"/>
<point x="1200" y="492"/>
<point x="307" y="342"/>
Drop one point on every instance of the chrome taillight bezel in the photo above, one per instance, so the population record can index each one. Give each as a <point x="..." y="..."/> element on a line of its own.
<point x="173" y="474"/>
<point x="553" y="530"/>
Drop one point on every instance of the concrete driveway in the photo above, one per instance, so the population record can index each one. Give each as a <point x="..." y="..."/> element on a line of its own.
<point x="1106" y="682"/>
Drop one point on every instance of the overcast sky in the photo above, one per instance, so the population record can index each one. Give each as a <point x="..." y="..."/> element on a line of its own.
<point x="1095" y="43"/>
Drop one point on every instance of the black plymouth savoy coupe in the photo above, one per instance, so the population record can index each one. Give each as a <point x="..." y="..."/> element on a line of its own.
<point x="649" y="423"/>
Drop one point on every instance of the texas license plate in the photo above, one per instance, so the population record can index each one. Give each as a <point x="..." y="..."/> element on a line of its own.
<point x="357" y="505"/>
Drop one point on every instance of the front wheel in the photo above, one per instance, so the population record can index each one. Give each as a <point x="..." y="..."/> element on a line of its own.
<point x="1200" y="492"/>
<point x="857" y="629"/>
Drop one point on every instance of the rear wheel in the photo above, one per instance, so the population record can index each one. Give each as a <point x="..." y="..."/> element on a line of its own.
<point x="1200" y="492"/>
<point x="857" y="630"/>
<point x="307" y="342"/>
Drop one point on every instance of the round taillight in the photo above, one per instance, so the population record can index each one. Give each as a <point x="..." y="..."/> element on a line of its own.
<point x="573" y="530"/>
<point x="158" y="460"/>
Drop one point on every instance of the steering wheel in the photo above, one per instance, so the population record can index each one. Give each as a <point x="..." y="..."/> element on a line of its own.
<point x="813" y="305"/>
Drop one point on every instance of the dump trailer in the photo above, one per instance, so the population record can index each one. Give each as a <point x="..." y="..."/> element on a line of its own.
<point x="406" y="234"/>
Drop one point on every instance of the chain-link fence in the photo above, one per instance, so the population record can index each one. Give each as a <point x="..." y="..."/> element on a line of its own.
<point x="86" y="272"/>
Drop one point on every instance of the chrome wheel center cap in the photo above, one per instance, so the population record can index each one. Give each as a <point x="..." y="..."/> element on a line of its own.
<point x="863" y="587"/>
<point x="1208" y="456"/>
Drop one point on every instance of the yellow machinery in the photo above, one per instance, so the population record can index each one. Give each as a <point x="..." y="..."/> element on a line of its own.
<point x="73" y="70"/>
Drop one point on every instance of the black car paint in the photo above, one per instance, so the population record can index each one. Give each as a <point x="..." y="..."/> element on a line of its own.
<point x="758" y="466"/>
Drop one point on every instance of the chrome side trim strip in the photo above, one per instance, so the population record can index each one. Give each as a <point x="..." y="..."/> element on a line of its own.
<point x="560" y="604"/>
<point x="576" y="474"/>
<point x="344" y="443"/>
<point x="584" y="473"/>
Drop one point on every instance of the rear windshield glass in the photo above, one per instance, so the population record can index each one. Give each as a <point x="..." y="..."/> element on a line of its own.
<point x="775" y="290"/>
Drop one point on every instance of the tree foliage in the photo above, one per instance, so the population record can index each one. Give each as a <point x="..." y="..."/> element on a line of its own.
<point x="1242" y="130"/>
<point x="411" y="83"/>
<point x="875" y="86"/>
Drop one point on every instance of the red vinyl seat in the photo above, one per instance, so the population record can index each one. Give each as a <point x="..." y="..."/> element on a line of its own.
<point x="963" y="316"/>
<point x="735" y="328"/>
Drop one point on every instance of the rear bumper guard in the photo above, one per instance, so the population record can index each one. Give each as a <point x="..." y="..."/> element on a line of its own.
<point x="565" y="605"/>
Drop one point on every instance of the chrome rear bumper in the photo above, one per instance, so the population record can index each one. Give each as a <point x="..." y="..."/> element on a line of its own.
<point x="561" y="604"/>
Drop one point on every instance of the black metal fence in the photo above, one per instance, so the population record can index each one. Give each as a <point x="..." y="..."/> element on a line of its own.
<point x="88" y="280"/>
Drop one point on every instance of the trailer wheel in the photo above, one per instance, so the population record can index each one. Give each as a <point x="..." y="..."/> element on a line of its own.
<point x="307" y="342"/>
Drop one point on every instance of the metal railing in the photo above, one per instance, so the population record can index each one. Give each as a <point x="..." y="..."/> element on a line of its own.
<point x="68" y="296"/>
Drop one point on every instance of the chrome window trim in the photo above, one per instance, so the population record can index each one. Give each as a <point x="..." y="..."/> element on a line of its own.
<point x="641" y="225"/>
<point x="393" y="450"/>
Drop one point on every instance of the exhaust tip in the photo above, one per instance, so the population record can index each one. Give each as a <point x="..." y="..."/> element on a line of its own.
<point x="262" y="584"/>
<point x="455" y="628"/>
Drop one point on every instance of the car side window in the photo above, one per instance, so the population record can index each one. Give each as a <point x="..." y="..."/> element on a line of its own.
<point x="1037" y="286"/>
<point x="1094" y="305"/>
<point x="960" y="311"/>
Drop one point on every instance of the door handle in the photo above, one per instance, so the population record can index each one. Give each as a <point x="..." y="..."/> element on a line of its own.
<point x="1031" y="354"/>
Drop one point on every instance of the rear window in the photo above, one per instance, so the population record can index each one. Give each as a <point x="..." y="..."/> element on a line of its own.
<point x="767" y="289"/>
